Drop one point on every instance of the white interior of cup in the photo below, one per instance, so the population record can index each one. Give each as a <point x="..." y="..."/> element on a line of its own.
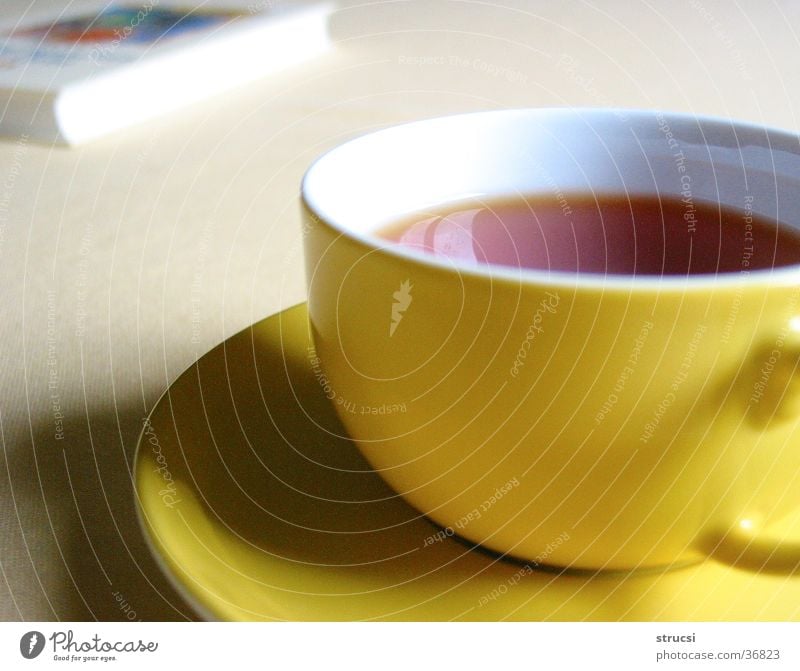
<point x="374" y="180"/>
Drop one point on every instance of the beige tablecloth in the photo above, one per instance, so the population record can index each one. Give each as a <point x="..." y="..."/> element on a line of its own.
<point x="124" y="260"/>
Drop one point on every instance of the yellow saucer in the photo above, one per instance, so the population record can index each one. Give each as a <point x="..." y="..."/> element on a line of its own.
<point x="259" y="508"/>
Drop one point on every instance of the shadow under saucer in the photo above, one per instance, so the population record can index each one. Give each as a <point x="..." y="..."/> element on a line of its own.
<point x="259" y="508"/>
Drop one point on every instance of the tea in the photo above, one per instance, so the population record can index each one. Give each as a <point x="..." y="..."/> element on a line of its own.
<point x="596" y="233"/>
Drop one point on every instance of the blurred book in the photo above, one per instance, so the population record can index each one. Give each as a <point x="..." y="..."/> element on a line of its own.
<point x="74" y="77"/>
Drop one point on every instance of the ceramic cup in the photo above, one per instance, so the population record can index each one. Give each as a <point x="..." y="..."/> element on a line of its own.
<point x="570" y="419"/>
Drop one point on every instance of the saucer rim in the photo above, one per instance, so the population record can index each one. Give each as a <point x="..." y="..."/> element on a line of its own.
<point x="146" y="531"/>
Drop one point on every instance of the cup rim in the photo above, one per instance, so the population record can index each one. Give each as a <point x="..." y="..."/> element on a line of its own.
<point x="558" y="278"/>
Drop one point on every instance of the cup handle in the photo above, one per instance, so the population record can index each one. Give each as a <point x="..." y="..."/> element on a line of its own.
<point x="747" y="544"/>
<point x="774" y="390"/>
<point x="748" y="547"/>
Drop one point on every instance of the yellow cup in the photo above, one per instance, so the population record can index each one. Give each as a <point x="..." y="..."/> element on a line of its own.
<point x="581" y="420"/>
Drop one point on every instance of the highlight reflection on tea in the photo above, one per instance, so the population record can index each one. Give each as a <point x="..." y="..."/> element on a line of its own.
<point x="596" y="233"/>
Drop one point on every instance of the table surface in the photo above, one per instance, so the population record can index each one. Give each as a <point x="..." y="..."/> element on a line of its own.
<point x="124" y="260"/>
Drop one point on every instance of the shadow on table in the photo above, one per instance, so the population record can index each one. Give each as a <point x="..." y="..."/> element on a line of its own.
<point x="73" y="504"/>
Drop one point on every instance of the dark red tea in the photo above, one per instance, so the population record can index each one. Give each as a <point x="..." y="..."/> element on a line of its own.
<point x="636" y="235"/>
